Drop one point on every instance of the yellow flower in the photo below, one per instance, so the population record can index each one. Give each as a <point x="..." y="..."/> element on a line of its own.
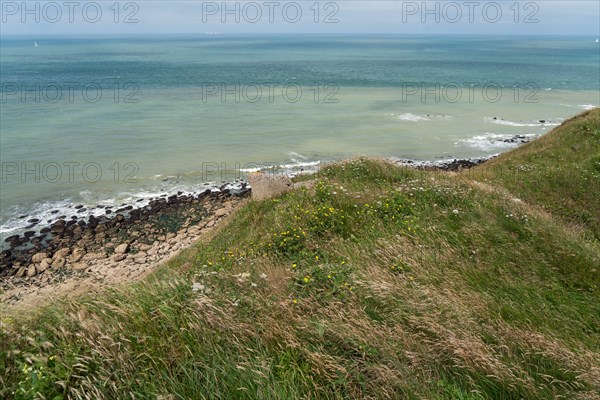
<point x="293" y="265"/>
<point x="295" y="301"/>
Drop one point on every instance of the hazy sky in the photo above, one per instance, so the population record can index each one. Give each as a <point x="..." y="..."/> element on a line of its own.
<point x="342" y="16"/>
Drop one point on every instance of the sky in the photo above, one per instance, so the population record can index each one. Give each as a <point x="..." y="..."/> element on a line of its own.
<point x="504" y="17"/>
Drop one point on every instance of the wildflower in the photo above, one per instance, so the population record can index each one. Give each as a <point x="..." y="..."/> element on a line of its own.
<point x="455" y="211"/>
<point x="252" y="284"/>
<point x="197" y="287"/>
<point x="263" y="276"/>
<point x="295" y="301"/>
<point x="293" y="265"/>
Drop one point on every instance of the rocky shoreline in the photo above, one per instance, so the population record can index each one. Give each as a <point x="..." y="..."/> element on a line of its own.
<point x="127" y="242"/>
<point x="458" y="164"/>
<point x="455" y="164"/>
<point x="121" y="244"/>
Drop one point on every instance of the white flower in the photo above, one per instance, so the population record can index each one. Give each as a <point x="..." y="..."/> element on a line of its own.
<point x="197" y="287"/>
<point x="263" y="276"/>
<point x="455" y="211"/>
<point x="253" y="284"/>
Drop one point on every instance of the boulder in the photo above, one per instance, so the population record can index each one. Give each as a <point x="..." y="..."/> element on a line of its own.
<point x="62" y="253"/>
<point x="122" y="248"/>
<point x="59" y="263"/>
<point x="77" y="255"/>
<point x="38" y="257"/>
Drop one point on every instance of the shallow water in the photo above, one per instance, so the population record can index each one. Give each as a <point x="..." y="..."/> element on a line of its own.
<point x="162" y="115"/>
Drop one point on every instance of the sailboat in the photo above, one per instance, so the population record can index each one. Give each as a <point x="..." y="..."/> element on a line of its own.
<point x="35" y="44"/>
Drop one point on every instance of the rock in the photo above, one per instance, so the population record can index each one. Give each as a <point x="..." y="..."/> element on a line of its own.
<point x="221" y="212"/>
<point x="145" y="247"/>
<point x="62" y="253"/>
<point x="42" y="267"/>
<point x="119" y="257"/>
<point x="79" y="266"/>
<point x="122" y="248"/>
<point x="46" y="262"/>
<point x="38" y="257"/>
<point x="21" y="272"/>
<point x="94" y="256"/>
<point x="77" y="255"/>
<point x="59" y="263"/>
<point x="140" y="260"/>
<point x="12" y="238"/>
<point x="31" y="272"/>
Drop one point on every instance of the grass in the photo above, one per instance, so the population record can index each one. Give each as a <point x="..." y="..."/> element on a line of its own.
<point x="379" y="282"/>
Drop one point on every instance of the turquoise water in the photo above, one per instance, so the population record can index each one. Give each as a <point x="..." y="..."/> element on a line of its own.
<point x="177" y="112"/>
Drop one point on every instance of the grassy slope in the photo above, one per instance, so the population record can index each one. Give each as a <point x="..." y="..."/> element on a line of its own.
<point x="378" y="283"/>
<point x="560" y="172"/>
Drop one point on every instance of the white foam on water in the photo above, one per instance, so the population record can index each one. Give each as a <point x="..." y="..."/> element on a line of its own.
<point x="297" y="155"/>
<point x="299" y="164"/>
<point x="587" y="106"/>
<point x="420" y="118"/>
<point x="43" y="211"/>
<point x="490" y="141"/>
<point x="519" y="124"/>
<point x="412" y="118"/>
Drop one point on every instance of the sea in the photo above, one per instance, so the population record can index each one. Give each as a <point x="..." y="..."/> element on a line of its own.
<point x="106" y="120"/>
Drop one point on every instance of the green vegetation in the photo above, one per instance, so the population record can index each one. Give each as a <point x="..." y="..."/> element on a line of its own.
<point x="559" y="172"/>
<point x="377" y="282"/>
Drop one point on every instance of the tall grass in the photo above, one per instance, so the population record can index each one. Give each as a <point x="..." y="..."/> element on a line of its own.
<point x="376" y="283"/>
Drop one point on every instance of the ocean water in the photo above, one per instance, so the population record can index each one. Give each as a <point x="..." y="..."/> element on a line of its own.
<point x="115" y="120"/>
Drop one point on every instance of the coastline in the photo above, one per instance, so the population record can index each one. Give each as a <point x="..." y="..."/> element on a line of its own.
<point x="130" y="241"/>
<point x="125" y="246"/>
